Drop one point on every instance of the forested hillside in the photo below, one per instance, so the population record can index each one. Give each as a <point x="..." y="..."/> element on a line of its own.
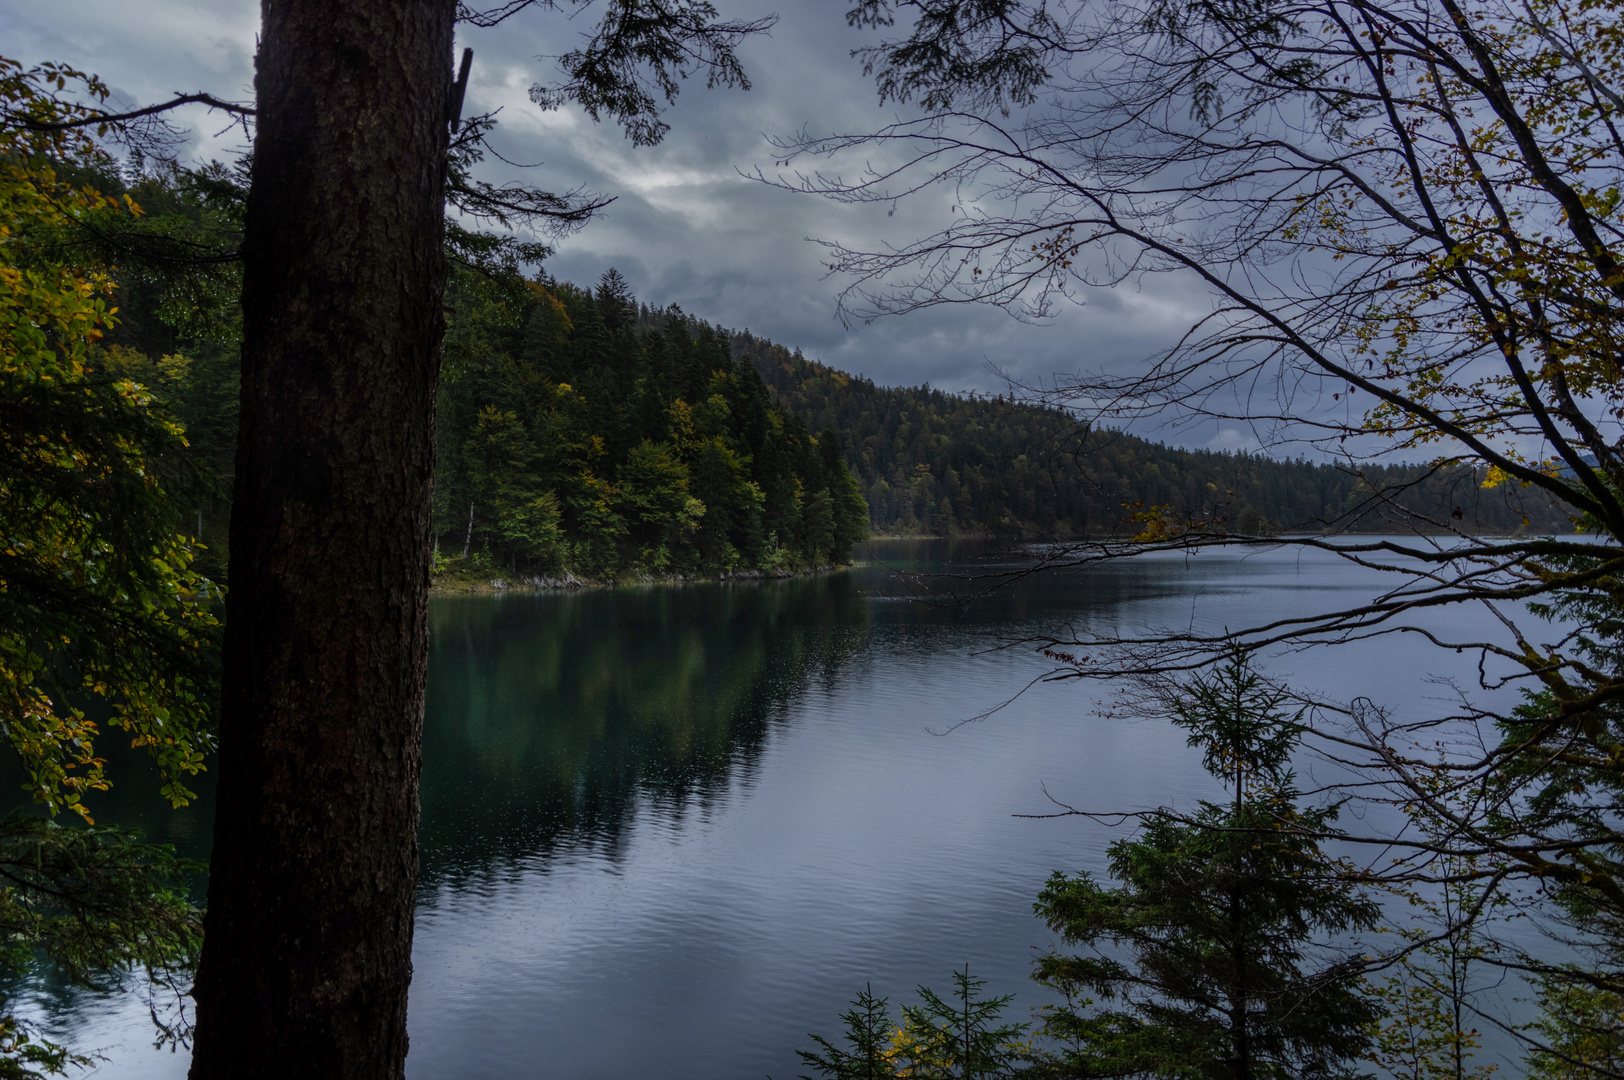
<point x="580" y="430"/>
<point x="577" y="431"/>
<point x="933" y="463"/>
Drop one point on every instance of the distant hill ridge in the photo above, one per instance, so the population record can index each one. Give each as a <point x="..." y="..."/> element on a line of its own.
<point x="549" y="391"/>
<point x="583" y="430"/>
<point x="937" y="463"/>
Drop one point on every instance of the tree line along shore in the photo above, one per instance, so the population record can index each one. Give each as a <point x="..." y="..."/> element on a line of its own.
<point x="586" y="436"/>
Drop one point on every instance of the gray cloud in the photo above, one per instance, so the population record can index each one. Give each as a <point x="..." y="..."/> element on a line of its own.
<point x="686" y="227"/>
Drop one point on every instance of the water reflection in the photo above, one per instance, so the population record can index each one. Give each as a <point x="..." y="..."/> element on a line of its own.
<point x="668" y="831"/>
<point x="550" y="717"/>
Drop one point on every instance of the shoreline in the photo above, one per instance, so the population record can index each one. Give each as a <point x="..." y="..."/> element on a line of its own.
<point x="467" y="585"/>
<point x="540" y="583"/>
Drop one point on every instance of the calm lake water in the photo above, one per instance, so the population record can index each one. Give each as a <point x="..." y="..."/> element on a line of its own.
<point x="669" y="831"/>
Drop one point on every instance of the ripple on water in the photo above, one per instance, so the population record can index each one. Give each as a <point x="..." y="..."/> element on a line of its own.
<point x="669" y="839"/>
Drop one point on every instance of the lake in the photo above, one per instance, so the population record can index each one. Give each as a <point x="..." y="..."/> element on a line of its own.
<point x="668" y="831"/>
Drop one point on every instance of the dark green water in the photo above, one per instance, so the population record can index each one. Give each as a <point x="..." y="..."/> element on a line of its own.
<point x="668" y="831"/>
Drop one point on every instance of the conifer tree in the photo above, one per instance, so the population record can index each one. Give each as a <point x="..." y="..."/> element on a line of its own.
<point x="850" y="509"/>
<point x="960" y="1038"/>
<point x="615" y="301"/>
<point x="868" y="1034"/>
<point x="1211" y="959"/>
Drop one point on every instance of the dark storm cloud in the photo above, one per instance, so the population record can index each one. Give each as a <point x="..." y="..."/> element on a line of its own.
<point x="686" y="227"/>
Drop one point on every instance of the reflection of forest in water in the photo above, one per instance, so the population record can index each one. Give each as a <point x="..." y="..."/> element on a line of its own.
<point x="549" y="714"/>
<point x="599" y="896"/>
<point x="550" y="717"/>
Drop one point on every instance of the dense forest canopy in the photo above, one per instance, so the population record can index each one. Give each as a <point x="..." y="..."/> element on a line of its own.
<point x="579" y="431"/>
<point x="932" y="462"/>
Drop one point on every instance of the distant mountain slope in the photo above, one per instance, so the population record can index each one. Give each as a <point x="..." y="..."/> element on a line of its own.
<point x="930" y="462"/>
<point x="580" y="428"/>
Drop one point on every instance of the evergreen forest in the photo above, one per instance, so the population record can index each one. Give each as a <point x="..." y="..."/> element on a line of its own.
<point x="937" y="463"/>
<point x="584" y="433"/>
<point x="581" y="432"/>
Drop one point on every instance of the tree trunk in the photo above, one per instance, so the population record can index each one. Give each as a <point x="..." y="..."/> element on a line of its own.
<point x="1239" y="1034"/>
<point x="307" y="953"/>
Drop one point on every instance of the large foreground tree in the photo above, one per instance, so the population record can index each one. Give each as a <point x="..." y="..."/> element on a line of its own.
<point x="307" y="953"/>
<point x="309" y="927"/>
<point x="1213" y="958"/>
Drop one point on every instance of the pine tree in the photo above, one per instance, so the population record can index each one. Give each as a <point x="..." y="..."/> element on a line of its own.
<point x="1210" y="958"/>
<point x="960" y="1039"/>
<point x="615" y="301"/>
<point x="957" y="1039"/>
<point x="868" y="1033"/>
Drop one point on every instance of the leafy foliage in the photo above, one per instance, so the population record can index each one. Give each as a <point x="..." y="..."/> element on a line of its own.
<point x="1424" y="1035"/>
<point x="1580" y="1033"/>
<point x="100" y="606"/>
<point x="635" y="61"/>
<point x="98" y="597"/>
<point x="95" y="901"/>
<point x="98" y="905"/>
<point x="940" y="63"/>
<point x="1428" y="996"/>
<point x="25" y="1056"/>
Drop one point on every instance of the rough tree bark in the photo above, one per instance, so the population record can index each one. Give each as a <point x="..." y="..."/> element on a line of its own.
<point x="309" y="928"/>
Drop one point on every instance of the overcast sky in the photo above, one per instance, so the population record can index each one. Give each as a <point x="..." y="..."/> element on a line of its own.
<point x="687" y="227"/>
